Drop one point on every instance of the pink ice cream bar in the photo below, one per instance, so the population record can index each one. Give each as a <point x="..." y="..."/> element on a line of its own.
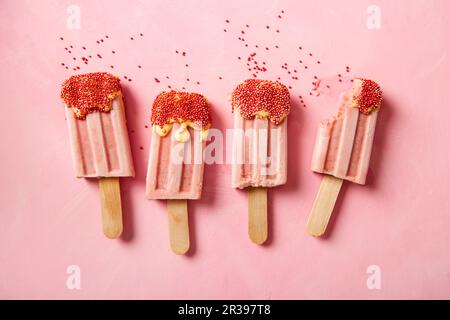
<point x="180" y="123"/>
<point x="259" y="156"/>
<point x="344" y="142"/>
<point x="343" y="148"/>
<point x="175" y="168"/>
<point x="97" y="126"/>
<point x="99" y="139"/>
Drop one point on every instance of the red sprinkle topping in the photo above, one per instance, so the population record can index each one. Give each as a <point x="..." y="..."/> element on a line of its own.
<point x="179" y="106"/>
<point x="369" y="97"/>
<point x="86" y="93"/>
<point x="255" y="95"/>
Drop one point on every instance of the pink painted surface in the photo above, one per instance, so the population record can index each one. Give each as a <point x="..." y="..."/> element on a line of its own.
<point x="399" y="221"/>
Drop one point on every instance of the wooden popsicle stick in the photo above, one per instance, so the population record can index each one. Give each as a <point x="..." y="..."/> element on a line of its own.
<point x="257" y="215"/>
<point x="323" y="205"/>
<point x="111" y="206"/>
<point x="178" y="226"/>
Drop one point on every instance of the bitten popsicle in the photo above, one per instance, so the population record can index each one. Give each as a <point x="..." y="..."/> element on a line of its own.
<point x="180" y="124"/>
<point x="99" y="139"/>
<point x="343" y="147"/>
<point x="259" y="158"/>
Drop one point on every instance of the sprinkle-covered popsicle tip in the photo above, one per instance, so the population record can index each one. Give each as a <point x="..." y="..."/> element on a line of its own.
<point x="86" y="93"/>
<point x="187" y="108"/>
<point x="261" y="98"/>
<point x="367" y="95"/>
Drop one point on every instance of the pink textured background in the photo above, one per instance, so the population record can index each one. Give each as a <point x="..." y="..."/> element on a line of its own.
<point x="399" y="221"/>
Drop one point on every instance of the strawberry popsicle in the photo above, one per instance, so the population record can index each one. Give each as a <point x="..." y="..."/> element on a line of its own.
<point x="180" y="123"/>
<point x="99" y="139"/>
<point x="259" y="157"/>
<point x="343" y="147"/>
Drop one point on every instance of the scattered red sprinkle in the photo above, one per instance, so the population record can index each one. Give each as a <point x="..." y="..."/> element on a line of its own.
<point x="62" y="63"/>
<point x="261" y="95"/>
<point x="277" y="47"/>
<point x="268" y="27"/>
<point x="130" y="79"/>
<point x="113" y="52"/>
<point x="220" y="78"/>
<point x="74" y="58"/>
<point x="242" y="31"/>
<point x="146" y="126"/>
<point x="198" y="82"/>
<point x="86" y="93"/>
<point x="98" y="41"/>
<point x="107" y="37"/>
<point x="227" y="21"/>
<point x="247" y="26"/>
<point x="125" y="77"/>
<point x="98" y="55"/>
<point x="112" y="67"/>
<point x="224" y="30"/>
<point x="157" y="80"/>
<point x="183" y="54"/>
<point x="310" y="54"/>
<point x="139" y="66"/>
<point x="167" y="77"/>
<point x="278" y="31"/>
<point x="141" y="147"/>
<point x="300" y="48"/>
<point x="131" y="38"/>
<point x="176" y="51"/>
<point x="181" y="106"/>
<point x="239" y="58"/>
<point x="279" y="17"/>
<point x="61" y="38"/>
<point x="71" y="47"/>
<point x="169" y="86"/>
<point x="141" y="34"/>
<point x="84" y="48"/>
<point x="101" y="40"/>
